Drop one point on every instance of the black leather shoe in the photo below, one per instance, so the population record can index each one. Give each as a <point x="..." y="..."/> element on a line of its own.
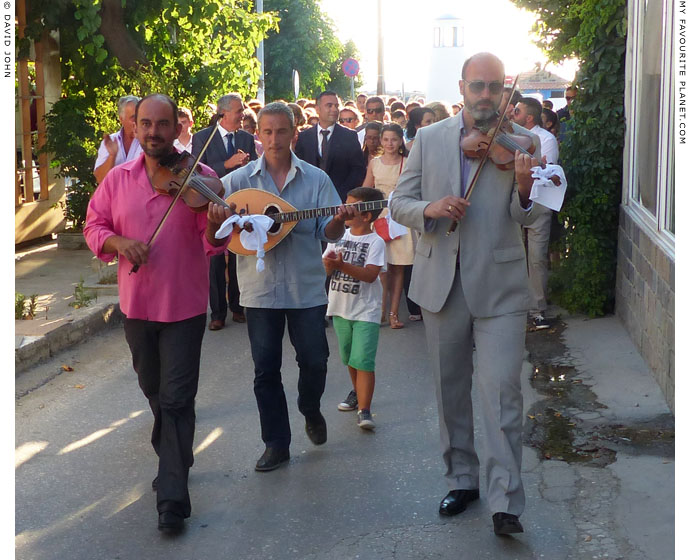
<point x="506" y="524"/>
<point x="154" y="484"/>
<point x="170" y="522"/>
<point x="315" y="427"/>
<point x="456" y="501"/>
<point x="272" y="459"/>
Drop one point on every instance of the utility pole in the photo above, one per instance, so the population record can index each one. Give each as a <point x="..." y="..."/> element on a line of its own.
<point x="261" y="92"/>
<point x="380" y="81"/>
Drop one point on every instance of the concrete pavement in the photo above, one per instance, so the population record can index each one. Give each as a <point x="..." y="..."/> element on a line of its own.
<point x="54" y="276"/>
<point x="84" y="464"/>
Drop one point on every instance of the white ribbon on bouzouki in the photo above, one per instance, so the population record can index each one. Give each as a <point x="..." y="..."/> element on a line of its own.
<point x="254" y="240"/>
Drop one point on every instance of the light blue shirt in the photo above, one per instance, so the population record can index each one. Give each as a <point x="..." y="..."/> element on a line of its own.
<point x="293" y="277"/>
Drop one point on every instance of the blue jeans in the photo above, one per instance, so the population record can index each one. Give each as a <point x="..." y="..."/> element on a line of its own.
<point x="308" y="336"/>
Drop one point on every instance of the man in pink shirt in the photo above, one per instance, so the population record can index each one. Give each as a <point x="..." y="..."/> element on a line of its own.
<point x="165" y="301"/>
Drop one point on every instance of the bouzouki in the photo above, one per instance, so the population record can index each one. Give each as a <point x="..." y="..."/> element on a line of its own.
<point x="284" y="215"/>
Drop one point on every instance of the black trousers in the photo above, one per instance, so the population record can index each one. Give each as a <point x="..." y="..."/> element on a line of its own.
<point x="219" y="298"/>
<point x="166" y="358"/>
<point x="412" y="307"/>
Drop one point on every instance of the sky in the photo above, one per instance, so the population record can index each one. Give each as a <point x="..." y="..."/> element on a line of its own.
<point x="497" y="26"/>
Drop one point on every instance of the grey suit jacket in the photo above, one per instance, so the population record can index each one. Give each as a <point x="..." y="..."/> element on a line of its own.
<point x="492" y="260"/>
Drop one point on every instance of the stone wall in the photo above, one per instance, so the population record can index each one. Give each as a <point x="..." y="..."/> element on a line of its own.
<point x="645" y="300"/>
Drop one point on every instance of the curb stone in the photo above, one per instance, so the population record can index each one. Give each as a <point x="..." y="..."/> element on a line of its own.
<point x="92" y="320"/>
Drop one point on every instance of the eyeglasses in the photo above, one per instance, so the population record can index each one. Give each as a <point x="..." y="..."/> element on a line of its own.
<point x="376" y="110"/>
<point x="516" y="111"/>
<point x="478" y="86"/>
<point x="569" y="98"/>
<point x="346" y="119"/>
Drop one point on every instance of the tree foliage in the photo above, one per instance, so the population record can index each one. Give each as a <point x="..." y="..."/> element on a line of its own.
<point x="193" y="50"/>
<point x="306" y="42"/>
<point x="592" y="153"/>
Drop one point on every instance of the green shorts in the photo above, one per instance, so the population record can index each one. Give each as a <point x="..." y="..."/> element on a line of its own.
<point x="357" y="341"/>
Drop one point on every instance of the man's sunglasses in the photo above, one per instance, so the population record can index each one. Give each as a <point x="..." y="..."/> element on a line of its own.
<point x="347" y="119"/>
<point x="569" y="98"/>
<point x="478" y="86"/>
<point x="376" y="110"/>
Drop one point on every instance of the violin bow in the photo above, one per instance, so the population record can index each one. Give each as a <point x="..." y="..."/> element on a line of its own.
<point x="179" y="192"/>
<point x="473" y="182"/>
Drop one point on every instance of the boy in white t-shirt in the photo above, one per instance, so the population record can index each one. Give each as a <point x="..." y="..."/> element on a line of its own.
<point x="354" y="300"/>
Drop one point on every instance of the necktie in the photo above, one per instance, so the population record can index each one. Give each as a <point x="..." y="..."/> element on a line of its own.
<point x="324" y="148"/>
<point x="228" y="144"/>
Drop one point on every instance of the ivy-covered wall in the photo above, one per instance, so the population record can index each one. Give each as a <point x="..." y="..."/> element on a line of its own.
<point x="594" y="31"/>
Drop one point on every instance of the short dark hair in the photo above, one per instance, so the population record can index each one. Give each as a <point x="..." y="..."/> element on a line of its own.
<point x="552" y="120"/>
<point x="398" y="113"/>
<point x="368" y="194"/>
<point x="533" y="107"/>
<point x="162" y="97"/>
<point x="375" y="99"/>
<point x="397" y="105"/>
<point x="327" y="92"/>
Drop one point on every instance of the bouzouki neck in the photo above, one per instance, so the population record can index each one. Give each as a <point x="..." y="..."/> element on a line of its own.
<point x="298" y="215"/>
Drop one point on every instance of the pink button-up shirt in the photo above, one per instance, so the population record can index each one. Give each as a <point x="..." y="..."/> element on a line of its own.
<point x="173" y="284"/>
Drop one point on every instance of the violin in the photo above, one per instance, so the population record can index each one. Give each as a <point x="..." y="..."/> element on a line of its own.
<point x="497" y="140"/>
<point x="505" y="142"/>
<point x="171" y="173"/>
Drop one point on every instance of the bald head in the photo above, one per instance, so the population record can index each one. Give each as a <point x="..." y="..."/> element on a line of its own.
<point x="483" y="58"/>
<point x="481" y="86"/>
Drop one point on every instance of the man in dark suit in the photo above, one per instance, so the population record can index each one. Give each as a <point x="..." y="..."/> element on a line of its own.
<point x="230" y="148"/>
<point x="332" y="147"/>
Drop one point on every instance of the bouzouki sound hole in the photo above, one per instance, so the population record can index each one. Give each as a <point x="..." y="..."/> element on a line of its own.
<point x="272" y="209"/>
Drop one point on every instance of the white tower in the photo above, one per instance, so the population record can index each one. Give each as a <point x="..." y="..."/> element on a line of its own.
<point x="447" y="57"/>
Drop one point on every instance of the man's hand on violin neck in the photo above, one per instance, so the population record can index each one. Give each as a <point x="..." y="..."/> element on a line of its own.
<point x="523" y="175"/>
<point x="452" y="207"/>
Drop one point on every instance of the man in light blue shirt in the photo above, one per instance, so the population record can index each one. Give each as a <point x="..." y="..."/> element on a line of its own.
<point x="290" y="288"/>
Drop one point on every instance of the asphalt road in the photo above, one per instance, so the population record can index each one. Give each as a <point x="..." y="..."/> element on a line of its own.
<point x="85" y="464"/>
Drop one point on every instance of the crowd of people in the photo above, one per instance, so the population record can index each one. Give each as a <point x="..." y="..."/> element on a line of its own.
<point x="399" y="177"/>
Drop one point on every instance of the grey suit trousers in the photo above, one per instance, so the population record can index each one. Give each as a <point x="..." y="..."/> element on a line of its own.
<point x="500" y="343"/>
<point x="538" y="234"/>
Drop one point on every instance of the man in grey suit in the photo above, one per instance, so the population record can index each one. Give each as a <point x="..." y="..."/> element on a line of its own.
<point x="472" y="284"/>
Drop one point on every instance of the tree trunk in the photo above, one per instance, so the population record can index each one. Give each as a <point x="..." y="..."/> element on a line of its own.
<point x="117" y="37"/>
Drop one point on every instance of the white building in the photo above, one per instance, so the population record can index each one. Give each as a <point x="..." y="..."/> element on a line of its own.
<point x="447" y="56"/>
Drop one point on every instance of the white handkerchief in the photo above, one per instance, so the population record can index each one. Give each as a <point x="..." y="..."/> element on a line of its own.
<point x="544" y="190"/>
<point x="250" y="240"/>
<point x="395" y="230"/>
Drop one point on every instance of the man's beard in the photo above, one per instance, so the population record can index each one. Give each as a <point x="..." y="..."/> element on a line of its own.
<point x="161" y="150"/>
<point x="481" y="114"/>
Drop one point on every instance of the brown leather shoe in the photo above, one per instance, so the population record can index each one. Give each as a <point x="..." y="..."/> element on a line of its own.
<point x="239" y="318"/>
<point x="216" y="325"/>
